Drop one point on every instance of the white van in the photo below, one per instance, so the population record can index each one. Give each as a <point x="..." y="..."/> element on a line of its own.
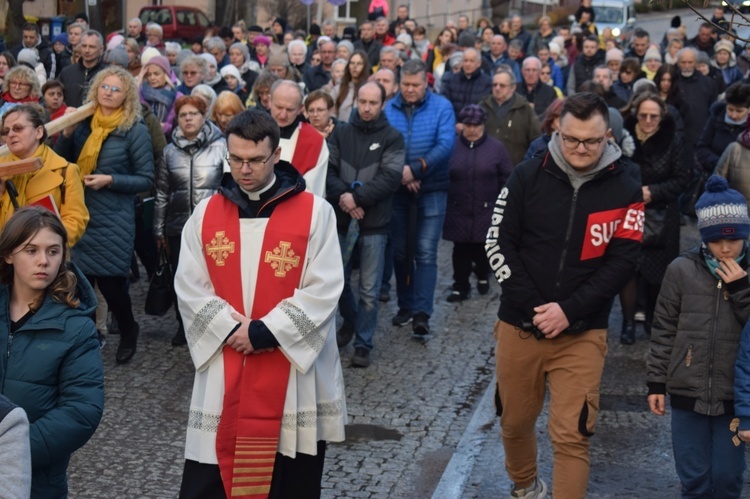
<point x="618" y="15"/>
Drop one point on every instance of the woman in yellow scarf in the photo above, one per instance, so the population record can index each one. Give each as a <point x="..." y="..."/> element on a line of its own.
<point x="57" y="186"/>
<point x="114" y="152"/>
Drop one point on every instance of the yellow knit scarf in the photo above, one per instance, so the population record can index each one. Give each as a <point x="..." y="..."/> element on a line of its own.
<point x="101" y="127"/>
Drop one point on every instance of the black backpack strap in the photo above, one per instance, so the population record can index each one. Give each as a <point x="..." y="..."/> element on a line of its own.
<point x="62" y="186"/>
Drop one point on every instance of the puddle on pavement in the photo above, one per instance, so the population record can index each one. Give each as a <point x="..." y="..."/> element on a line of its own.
<point x="369" y="433"/>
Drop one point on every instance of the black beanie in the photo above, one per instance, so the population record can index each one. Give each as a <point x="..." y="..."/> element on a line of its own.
<point x="676" y="22"/>
<point x="315" y="29"/>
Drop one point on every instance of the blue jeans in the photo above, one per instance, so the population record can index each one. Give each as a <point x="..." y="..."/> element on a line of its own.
<point x="417" y="295"/>
<point x="363" y="316"/>
<point x="707" y="461"/>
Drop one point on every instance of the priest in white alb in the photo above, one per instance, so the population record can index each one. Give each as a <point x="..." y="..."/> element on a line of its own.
<point x="301" y="144"/>
<point x="258" y="283"/>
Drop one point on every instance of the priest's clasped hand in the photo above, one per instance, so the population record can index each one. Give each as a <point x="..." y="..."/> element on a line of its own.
<point x="240" y="340"/>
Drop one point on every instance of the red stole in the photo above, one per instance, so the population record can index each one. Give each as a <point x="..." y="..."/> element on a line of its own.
<point x="255" y="385"/>
<point x="307" y="150"/>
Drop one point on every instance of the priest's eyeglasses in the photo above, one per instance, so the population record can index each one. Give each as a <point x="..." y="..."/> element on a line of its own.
<point x="238" y="163"/>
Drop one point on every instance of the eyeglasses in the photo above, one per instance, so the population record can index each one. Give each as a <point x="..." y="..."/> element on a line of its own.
<point x="21" y="84"/>
<point x="189" y="114"/>
<point x="190" y="73"/>
<point x="588" y="144"/>
<point x="107" y="88"/>
<point x="238" y="163"/>
<point x="15" y="129"/>
<point x="647" y="117"/>
<point x="502" y="85"/>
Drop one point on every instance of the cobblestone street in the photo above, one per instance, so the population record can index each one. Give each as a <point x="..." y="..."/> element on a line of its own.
<point x="408" y="415"/>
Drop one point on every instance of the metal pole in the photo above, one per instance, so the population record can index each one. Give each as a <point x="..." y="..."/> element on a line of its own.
<point x="544" y="8"/>
<point x="308" y="17"/>
<point x="429" y="13"/>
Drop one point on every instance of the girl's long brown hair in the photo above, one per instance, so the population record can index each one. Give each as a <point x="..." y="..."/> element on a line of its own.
<point x="21" y="227"/>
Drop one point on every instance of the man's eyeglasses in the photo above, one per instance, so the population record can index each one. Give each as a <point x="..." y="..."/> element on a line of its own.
<point x="588" y="144"/>
<point x="238" y="163"/>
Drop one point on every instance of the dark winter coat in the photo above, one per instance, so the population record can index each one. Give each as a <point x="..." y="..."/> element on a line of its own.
<point x="478" y="173"/>
<point x="52" y="367"/>
<point x="583" y="70"/>
<point x="695" y="336"/>
<point x="371" y="153"/>
<point x="316" y="77"/>
<point x="106" y="248"/>
<point x="517" y="130"/>
<point x="538" y="146"/>
<point x="698" y="92"/>
<point x="371" y="48"/>
<point x="716" y="137"/>
<point x="76" y="79"/>
<point x="540" y="95"/>
<point x="667" y="174"/>
<point x="429" y="132"/>
<point x="504" y="59"/>
<point x="462" y="89"/>
<point x="624" y="91"/>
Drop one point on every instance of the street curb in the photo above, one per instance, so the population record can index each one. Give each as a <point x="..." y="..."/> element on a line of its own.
<point x="458" y="471"/>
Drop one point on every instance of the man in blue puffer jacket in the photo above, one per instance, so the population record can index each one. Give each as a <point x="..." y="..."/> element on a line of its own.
<point x="427" y="122"/>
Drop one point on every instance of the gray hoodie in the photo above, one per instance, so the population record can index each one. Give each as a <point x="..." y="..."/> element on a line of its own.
<point x="611" y="153"/>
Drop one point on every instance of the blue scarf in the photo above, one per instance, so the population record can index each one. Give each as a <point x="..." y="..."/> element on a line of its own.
<point x="730" y="121"/>
<point x="160" y="100"/>
<point x="714" y="263"/>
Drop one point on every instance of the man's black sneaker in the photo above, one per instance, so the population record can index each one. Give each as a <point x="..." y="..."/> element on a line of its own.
<point x="457" y="296"/>
<point x="402" y="318"/>
<point x="361" y="357"/>
<point x="344" y="335"/>
<point x="483" y="286"/>
<point x="421" y="324"/>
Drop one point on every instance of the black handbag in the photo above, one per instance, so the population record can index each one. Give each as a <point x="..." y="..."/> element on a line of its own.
<point x="655" y="228"/>
<point x="159" y="297"/>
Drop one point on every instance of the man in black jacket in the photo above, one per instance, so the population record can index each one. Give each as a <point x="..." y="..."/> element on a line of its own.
<point x="364" y="171"/>
<point x="538" y="94"/>
<point x="317" y="76"/>
<point x="76" y="77"/>
<point x="565" y="238"/>
<point x="468" y="86"/>
<point x="369" y="43"/>
<point x="33" y="39"/>
<point x="585" y="63"/>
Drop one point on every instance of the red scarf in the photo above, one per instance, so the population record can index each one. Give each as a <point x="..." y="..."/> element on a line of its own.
<point x="255" y="385"/>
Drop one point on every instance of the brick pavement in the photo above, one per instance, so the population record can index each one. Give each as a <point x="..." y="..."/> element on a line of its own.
<point x="407" y="414"/>
<point x="407" y="411"/>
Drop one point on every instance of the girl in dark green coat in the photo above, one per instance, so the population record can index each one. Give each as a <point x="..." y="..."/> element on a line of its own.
<point x="52" y="367"/>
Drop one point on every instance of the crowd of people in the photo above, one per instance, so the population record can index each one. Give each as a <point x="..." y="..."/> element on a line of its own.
<point x="562" y="161"/>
